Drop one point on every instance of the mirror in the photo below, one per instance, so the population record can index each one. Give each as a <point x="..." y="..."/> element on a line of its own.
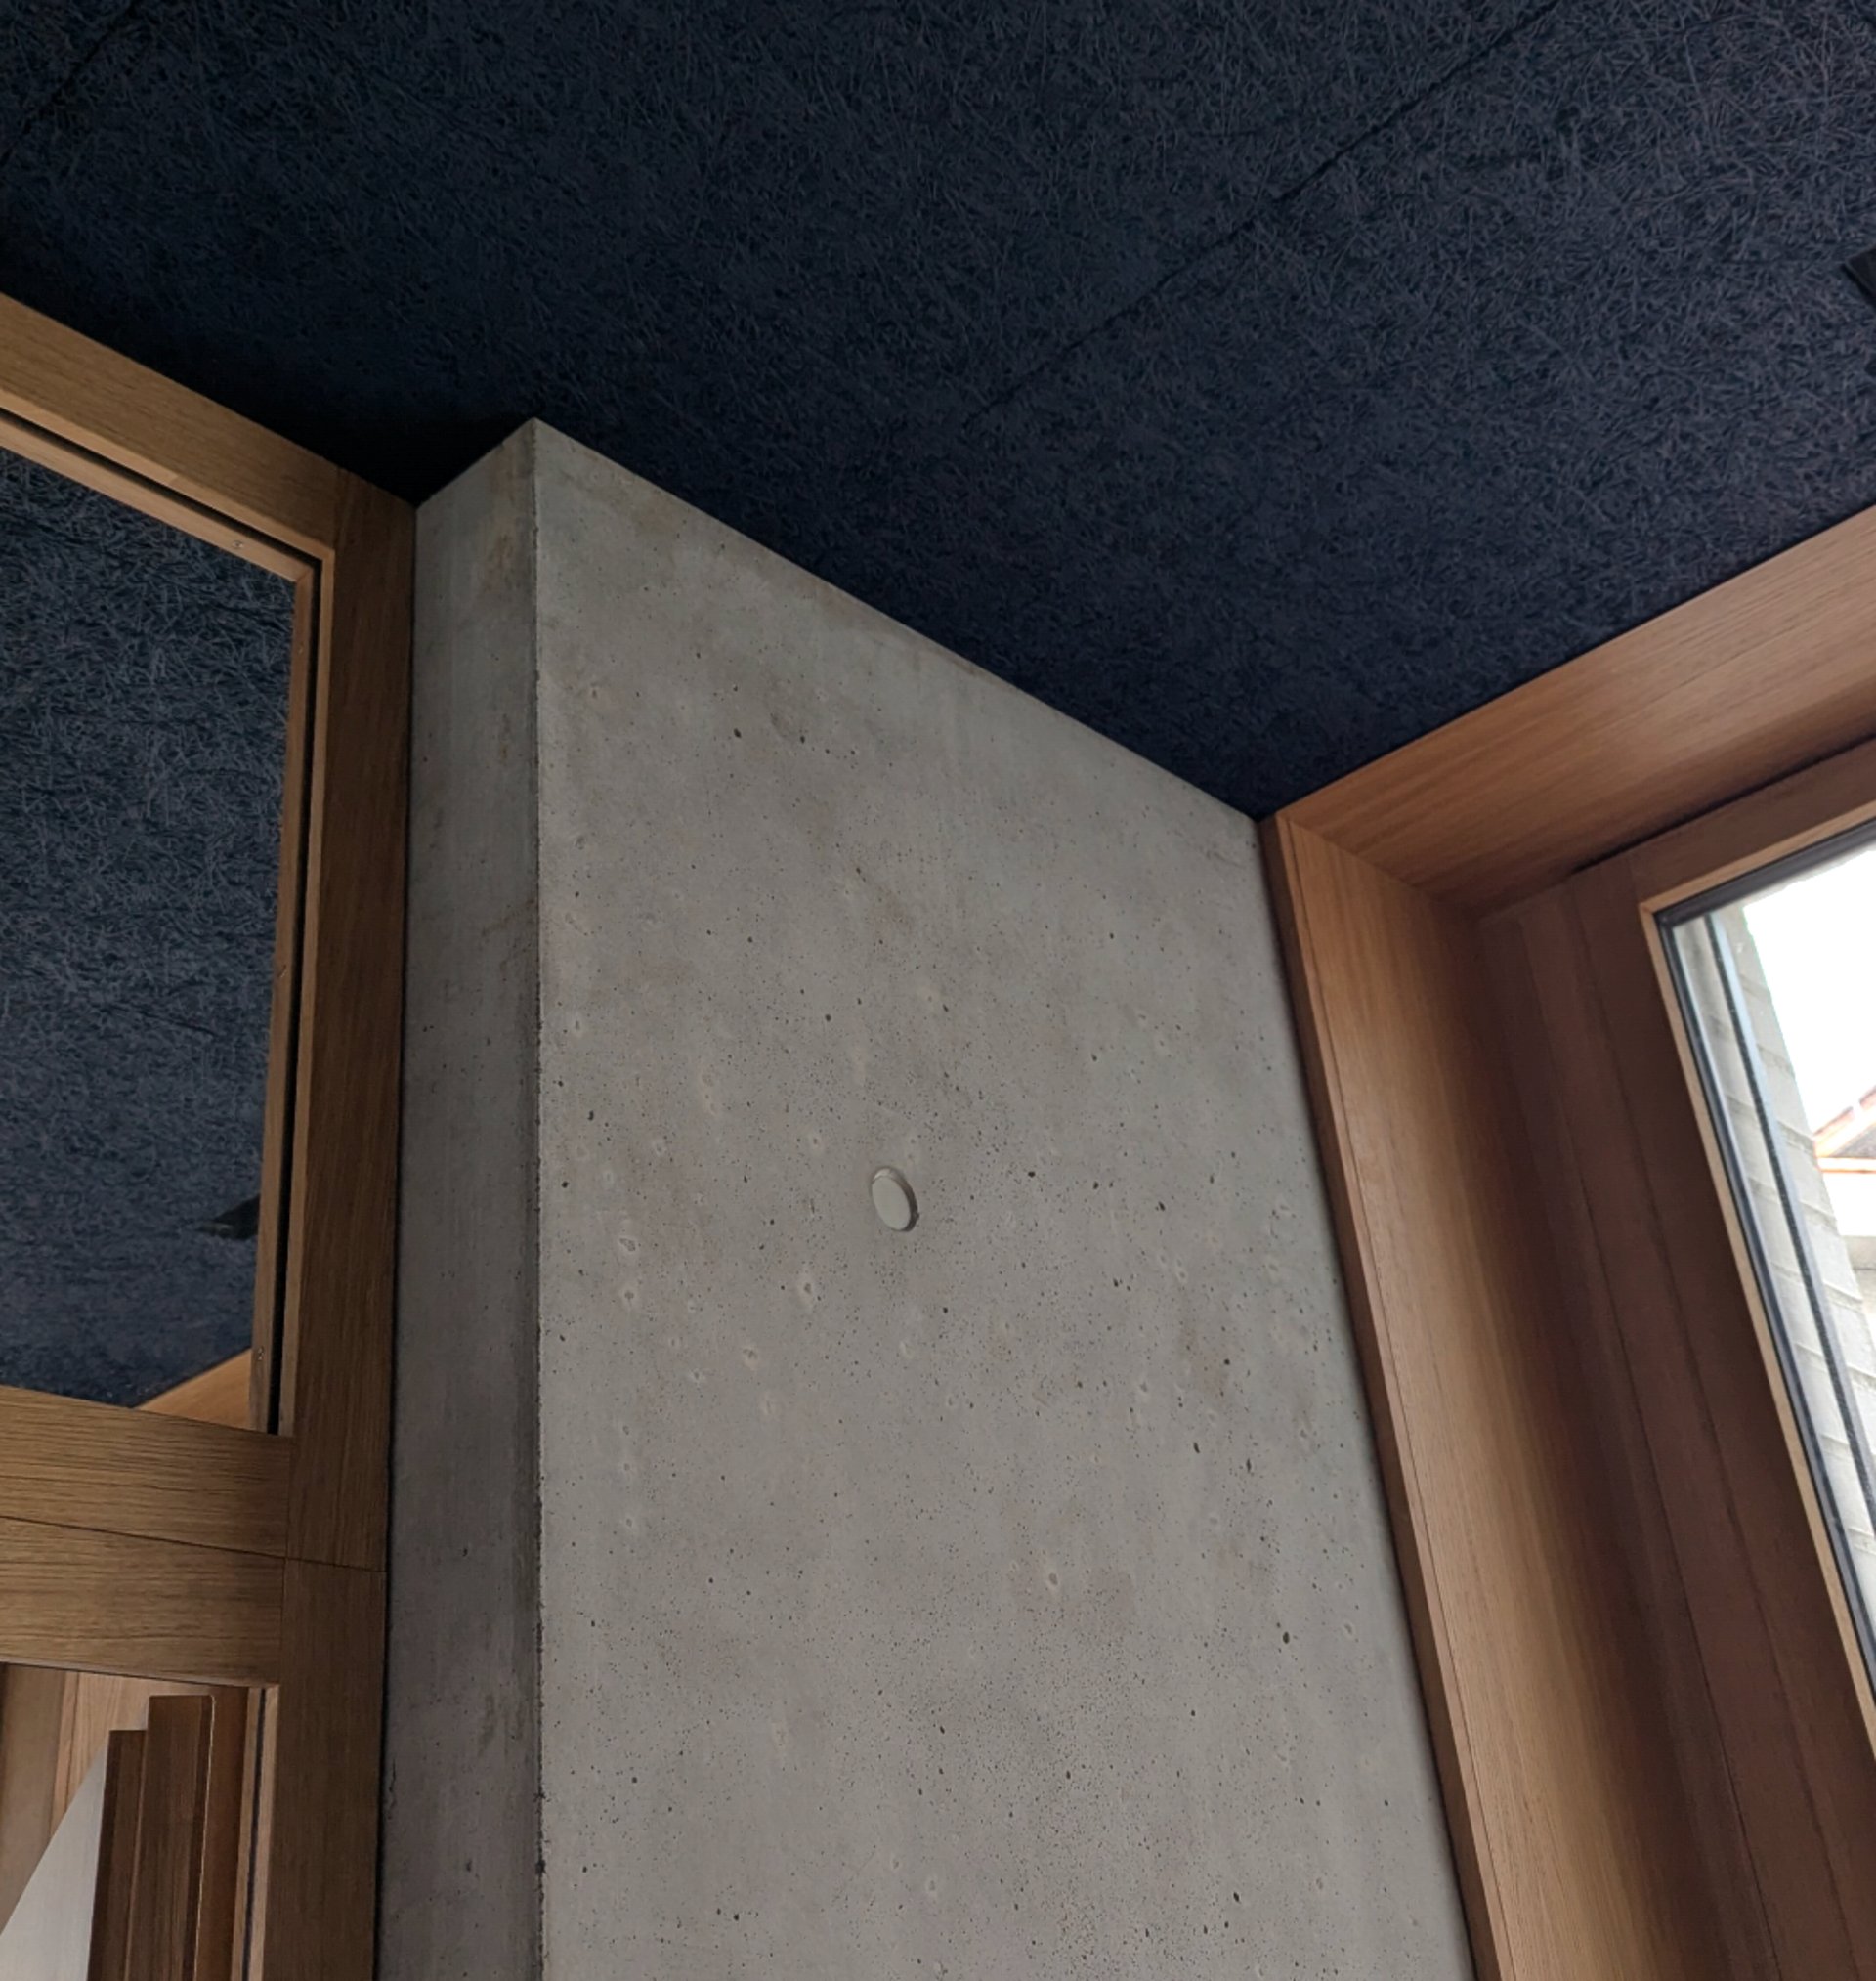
<point x="144" y="698"/>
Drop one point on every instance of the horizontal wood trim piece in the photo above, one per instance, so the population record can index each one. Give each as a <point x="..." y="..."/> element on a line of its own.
<point x="95" y="471"/>
<point x="1788" y="817"/>
<point x="1744" y="684"/>
<point x="218" y="1396"/>
<point x="66" y="385"/>
<point x="74" y="1464"/>
<point x="1550" y="1751"/>
<point x="102" y="1602"/>
<point x="342" y="1228"/>
<point x="323" y="1857"/>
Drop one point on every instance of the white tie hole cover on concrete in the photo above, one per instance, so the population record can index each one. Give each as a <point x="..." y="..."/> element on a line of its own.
<point x="893" y="1199"/>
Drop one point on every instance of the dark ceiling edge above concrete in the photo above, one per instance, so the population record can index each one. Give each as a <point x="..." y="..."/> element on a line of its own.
<point x="1260" y="394"/>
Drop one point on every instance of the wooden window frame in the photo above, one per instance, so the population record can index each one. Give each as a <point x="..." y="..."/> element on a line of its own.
<point x="1653" y="1732"/>
<point x="178" y="1549"/>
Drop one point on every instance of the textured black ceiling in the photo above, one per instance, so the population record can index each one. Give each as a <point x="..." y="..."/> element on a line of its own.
<point x="143" y="703"/>
<point x="1263" y="383"/>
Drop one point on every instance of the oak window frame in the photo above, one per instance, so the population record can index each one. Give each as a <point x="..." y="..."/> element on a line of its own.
<point x="1653" y="1731"/>
<point x="177" y="1549"/>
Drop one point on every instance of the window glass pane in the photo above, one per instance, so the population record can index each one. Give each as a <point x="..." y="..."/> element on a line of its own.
<point x="1777" y="980"/>
<point x="143" y="682"/>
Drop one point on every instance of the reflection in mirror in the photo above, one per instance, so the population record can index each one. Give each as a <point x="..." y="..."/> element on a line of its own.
<point x="121" y="1812"/>
<point x="144" y="683"/>
<point x="1776" y="974"/>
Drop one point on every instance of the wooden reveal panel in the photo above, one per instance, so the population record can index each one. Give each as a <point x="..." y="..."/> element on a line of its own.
<point x="1552" y="1764"/>
<point x="118" y="1857"/>
<point x="341" y="1263"/>
<point x="1654" y="1745"/>
<point x="1718" y="1527"/>
<point x="1737" y="688"/>
<point x="166" y="1881"/>
<point x="321" y="1883"/>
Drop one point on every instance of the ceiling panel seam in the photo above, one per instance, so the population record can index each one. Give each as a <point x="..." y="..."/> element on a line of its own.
<point x="57" y="94"/>
<point x="1262" y="210"/>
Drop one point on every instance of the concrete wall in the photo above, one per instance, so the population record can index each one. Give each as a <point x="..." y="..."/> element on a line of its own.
<point x="1006" y="1597"/>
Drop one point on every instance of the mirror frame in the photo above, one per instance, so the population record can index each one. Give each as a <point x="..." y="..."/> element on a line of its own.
<point x="176" y="1549"/>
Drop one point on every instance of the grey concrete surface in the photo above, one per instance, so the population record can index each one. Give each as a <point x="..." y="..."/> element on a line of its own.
<point x="1006" y="1597"/>
<point x="461" y="1885"/>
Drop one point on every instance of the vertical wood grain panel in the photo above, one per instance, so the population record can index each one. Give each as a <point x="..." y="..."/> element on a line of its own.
<point x="1728" y="1498"/>
<point x="1553" y="1033"/>
<point x="1558" y="1776"/>
<point x="322" y="1879"/>
<point x="31" y="1709"/>
<point x="117" y="1858"/>
<point x="166" y="1887"/>
<point x="342" y="1231"/>
<point x="223" y="1796"/>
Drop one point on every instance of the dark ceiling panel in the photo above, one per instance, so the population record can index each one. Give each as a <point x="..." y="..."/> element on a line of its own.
<point x="744" y="234"/>
<point x="1557" y="351"/>
<point x="42" y="48"/>
<point x="1261" y="384"/>
<point x="142" y="698"/>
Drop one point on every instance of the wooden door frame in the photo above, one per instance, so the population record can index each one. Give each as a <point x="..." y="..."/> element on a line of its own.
<point x="1523" y="1207"/>
<point x="187" y="1550"/>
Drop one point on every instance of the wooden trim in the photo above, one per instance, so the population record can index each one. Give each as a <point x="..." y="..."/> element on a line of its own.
<point x="1737" y="688"/>
<point x="322" y="1859"/>
<point x="166" y="1887"/>
<point x="1619" y="902"/>
<point x="1577" y="1422"/>
<point x="118" y="1857"/>
<point x="220" y="1933"/>
<point x="31" y="1736"/>
<point x="93" y="1705"/>
<point x="95" y="471"/>
<point x="1727" y="1501"/>
<point x="321" y="1369"/>
<point x="75" y="1464"/>
<point x="218" y="1396"/>
<point x="1791" y="816"/>
<point x="1550" y="1760"/>
<point x="336" y="1375"/>
<point x="97" y="1602"/>
<point x="283" y="1021"/>
<point x="105" y="406"/>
